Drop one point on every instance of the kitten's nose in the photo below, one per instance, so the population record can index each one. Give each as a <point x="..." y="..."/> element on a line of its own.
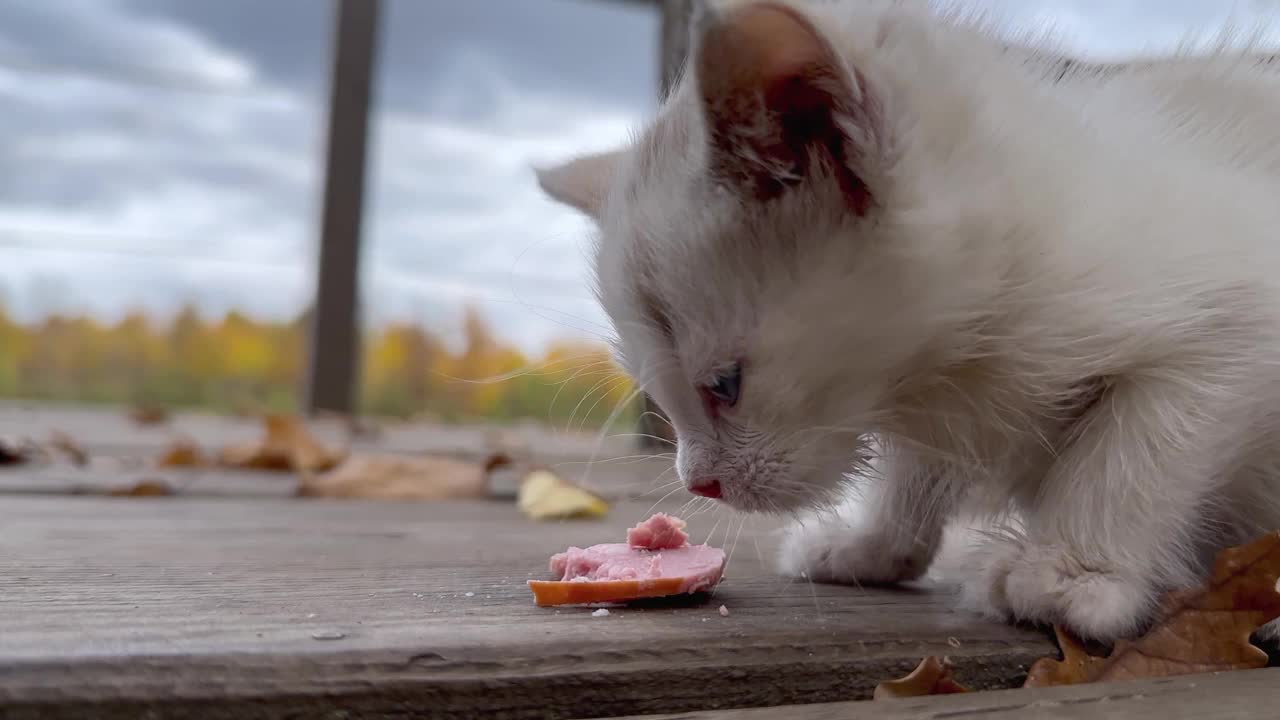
<point x="706" y="488"/>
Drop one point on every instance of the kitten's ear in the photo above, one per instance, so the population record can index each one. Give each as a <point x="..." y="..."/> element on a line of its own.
<point x="776" y="96"/>
<point x="581" y="182"/>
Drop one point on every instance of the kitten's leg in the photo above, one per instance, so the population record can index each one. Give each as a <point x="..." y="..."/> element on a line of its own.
<point x="1116" y="519"/>
<point x="887" y="531"/>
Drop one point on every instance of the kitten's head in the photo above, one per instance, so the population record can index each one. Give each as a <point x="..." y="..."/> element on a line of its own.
<point x="760" y="260"/>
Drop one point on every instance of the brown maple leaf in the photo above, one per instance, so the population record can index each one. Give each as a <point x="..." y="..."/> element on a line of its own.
<point x="931" y="677"/>
<point x="401" y="477"/>
<point x="68" y="446"/>
<point x="287" y="445"/>
<point x="148" y="415"/>
<point x="144" y="488"/>
<point x="183" y="453"/>
<point x="1202" y="629"/>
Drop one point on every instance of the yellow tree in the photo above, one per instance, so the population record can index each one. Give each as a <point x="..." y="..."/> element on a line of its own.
<point x="13" y="348"/>
<point x="484" y="363"/>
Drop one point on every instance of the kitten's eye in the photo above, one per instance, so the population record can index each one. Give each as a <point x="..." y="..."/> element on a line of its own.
<point x="725" y="390"/>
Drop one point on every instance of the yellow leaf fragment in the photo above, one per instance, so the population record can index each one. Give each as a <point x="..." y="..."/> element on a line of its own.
<point x="544" y="496"/>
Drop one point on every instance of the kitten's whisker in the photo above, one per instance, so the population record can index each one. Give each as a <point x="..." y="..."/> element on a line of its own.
<point x="645" y="435"/>
<point x="604" y="393"/>
<point x="673" y="491"/>
<point x="660" y="488"/>
<point x="605" y="428"/>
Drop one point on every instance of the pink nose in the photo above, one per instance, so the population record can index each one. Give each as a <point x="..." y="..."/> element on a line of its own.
<point x="706" y="488"/>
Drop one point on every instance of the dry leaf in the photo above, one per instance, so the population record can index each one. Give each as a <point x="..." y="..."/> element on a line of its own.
<point x="402" y="477"/>
<point x="182" y="454"/>
<point x="13" y="452"/>
<point x="67" y="445"/>
<point x="144" y="488"/>
<point x="1203" y="629"/>
<point x="931" y="677"/>
<point x="1076" y="665"/>
<point x="544" y="496"/>
<point x="148" y="415"/>
<point x="286" y="446"/>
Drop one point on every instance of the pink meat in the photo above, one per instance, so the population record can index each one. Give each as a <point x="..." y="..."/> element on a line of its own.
<point x="699" y="567"/>
<point x="660" y="532"/>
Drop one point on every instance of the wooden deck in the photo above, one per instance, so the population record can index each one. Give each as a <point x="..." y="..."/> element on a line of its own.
<point x="267" y="606"/>
<point x="239" y="601"/>
<point x="1248" y="695"/>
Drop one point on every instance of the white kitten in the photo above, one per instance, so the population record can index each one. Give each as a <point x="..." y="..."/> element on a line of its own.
<point x="862" y="239"/>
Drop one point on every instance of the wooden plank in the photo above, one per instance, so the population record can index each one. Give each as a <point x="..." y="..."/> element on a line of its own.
<point x="108" y="430"/>
<point x="335" y="334"/>
<point x="212" y="608"/>
<point x="613" y="481"/>
<point x="1244" y="695"/>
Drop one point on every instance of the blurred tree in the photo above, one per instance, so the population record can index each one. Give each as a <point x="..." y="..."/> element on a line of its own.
<point x="239" y="363"/>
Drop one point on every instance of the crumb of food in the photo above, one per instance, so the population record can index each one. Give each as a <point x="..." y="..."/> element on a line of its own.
<point x="470" y="594"/>
<point x="600" y="613"/>
<point x="953" y="642"/>
<point x="724" y="611"/>
<point x="659" y="532"/>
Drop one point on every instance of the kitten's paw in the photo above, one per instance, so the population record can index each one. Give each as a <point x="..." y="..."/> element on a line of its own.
<point x="1049" y="584"/>
<point x="839" y="554"/>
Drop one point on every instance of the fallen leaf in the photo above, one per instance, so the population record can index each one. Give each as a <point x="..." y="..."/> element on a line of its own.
<point x="67" y="445"/>
<point x="144" y="488"/>
<point x="286" y="446"/>
<point x="402" y="477"/>
<point x="148" y="415"/>
<point x="182" y="454"/>
<point x="931" y="677"/>
<point x="544" y="496"/>
<point x="1076" y="665"/>
<point x="13" y="452"/>
<point x="1199" y="630"/>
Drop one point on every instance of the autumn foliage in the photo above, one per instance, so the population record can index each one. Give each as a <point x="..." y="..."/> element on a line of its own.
<point x="1195" y="630"/>
<point x="237" y="363"/>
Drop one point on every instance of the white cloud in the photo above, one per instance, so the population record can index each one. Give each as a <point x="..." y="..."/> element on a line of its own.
<point x="84" y="34"/>
<point x="201" y="185"/>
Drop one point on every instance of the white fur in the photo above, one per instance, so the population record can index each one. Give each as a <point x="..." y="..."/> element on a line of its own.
<point x="1062" y="314"/>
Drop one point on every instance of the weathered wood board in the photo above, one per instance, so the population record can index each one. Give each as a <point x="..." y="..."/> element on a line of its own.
<point x="1245" y="695"/>
<point x="279" y="608"/>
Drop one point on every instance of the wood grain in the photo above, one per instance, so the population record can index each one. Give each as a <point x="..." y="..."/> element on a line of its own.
<point x="213" y="608"/>
<point x="1241" y="695"/>
<point x="122" y="453"/>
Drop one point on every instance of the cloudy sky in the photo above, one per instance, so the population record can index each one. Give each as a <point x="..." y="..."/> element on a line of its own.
<point x="156" y="152"/>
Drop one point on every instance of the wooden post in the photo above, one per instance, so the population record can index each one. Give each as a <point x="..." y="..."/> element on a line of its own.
<point x="677" y="18"/>
<point x="335" y="342"/>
